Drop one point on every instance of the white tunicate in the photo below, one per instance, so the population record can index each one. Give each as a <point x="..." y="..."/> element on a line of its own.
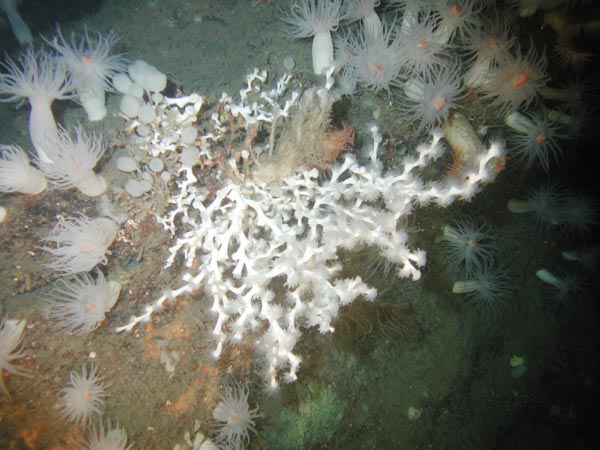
<point x="146" y="114"/>
<point x="121" y="83"/>
<point x="129" y="106"/>
<point x="188" y="135"/>
<point x="126" y="164"/>
<point x="147" y="75"/>
<point x="147" y="176"/>
<point x="156" y="165"/>
<point x="145" y="185"/>
<point x="289" y="63"/>
<point x="137" y="90"/>
<point x="157" y="97"/>
<point x="165" y="176"/>
<point x="142" y="130"/>
<point x="134" y="188"/>
<point x="189" y="156"/>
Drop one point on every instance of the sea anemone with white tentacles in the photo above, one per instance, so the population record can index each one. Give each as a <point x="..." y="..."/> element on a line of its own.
<point x="80" y="243"/>
<point x="92" y="66"/>
<point x="535" y="138"/>
<point x="80" y="304"/>
<point x="83" y="397"/>
<point x="40" y="78"/>
<point x="111" y="437"/>
<point x="515" y="81"/>
<point x="17" y="174"/>
<point x="316" y="18"/>
<point x="429" y="100"/>
<point x="468" y="244"/>
<point x="73" y="161"/>
<point x="375" y="61"/>
<point x="234" y="418"/>
<point x="11" y="336"/>
<point x="486" y="289"/>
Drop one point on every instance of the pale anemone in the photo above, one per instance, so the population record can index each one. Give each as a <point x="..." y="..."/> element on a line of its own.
<point x="468" y="244"/>
<point x="429" y="100"/>
<point x="11" y="336"/>
<point x="456" y="18"/>
<point x="111" y="437"/>
<point x="80" y="304"/>
<point x="234" y="418"/>
<point x="423" y="54"/>
<point x="83" y="397"/>
<point x="489" y="43"/>
<point x="486" y="288"/>
<point x="73" y="161"/>
<point x="535" y="138"/>
<point x="516" y="80"/>
<point x="317" y="18"/>
<point x="92" y="66"/>
<point x="564" y="288"/>
<point x="544" y="204"/>
<point x="375" y="61"/>
<point x="16" y="174"/>
<point x="41" y="79"/>
<point x="80" y="243"/>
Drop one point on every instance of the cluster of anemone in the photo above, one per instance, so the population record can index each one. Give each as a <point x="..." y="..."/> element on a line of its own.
<point x="469" y="248"/>
<point x="79" y="301"/>
<point x="411" y="54"/>
<point x="81" y="72"/>
<point x="550" y="205"/>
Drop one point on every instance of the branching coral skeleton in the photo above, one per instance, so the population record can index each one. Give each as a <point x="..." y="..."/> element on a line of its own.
<point x="266" y="255"/>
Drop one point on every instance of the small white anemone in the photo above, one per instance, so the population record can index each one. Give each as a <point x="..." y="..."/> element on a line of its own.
<point x="80" y="243"/>
<point x="16" y="174"/>
<point x="429" y="100"/>
<point x="376" y="61"/>
<point x="536" y="137"/>
<point x="111" y="437"/>
<point x="73" y="161"/>
<point x="486" y="288"/>
<point x="40" y="78"/>
<point x="80" y="304"/>
<point x="234" y="418"/>
<point x="92" y="66"/>
<point x="83" y="397"/>
<point x="516" y="80"/>
<point x="418" y="43"/>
